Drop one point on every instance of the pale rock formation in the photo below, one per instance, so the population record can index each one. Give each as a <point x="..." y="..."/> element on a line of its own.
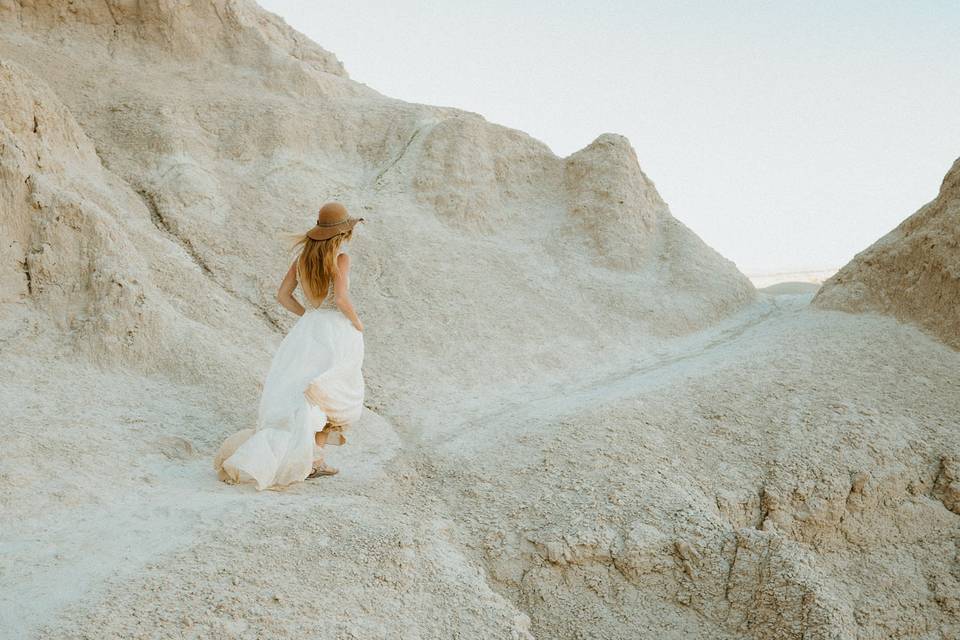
<point x="230" y="31"/>
<point x="221" y="128"/>
<point x="481" y="177"/>
<point x="913" y="272"/>
<point x="613" y="202"/>
<point x="80" y="246"/>
<point x="549" y="451"/>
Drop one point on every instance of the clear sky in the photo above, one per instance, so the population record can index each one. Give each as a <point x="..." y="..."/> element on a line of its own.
<point x="789" y="135"/>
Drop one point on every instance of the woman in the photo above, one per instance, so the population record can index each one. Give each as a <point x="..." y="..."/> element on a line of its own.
<point x="315" y="387"/>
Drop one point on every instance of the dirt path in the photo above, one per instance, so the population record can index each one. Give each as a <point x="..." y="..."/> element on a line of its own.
<point x="752" y="330"/>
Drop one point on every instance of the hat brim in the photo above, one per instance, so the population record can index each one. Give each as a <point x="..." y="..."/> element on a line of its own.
<point x="325" y="233"/>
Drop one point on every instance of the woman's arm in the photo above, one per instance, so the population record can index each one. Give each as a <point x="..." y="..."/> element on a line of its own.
<point x="341" y="288"/>
<point x="285" y="294"/>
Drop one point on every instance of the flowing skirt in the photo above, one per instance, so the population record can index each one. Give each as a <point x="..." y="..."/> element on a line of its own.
<point x="323" y="351"/>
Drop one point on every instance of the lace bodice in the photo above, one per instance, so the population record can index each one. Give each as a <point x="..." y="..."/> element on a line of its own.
<point x="327" y="302"/>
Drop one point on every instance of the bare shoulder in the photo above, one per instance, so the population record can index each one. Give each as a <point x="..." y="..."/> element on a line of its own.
<point x="343" y="262"/>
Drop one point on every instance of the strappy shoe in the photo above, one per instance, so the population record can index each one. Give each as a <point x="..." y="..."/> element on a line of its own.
<point x="323" y="469"/>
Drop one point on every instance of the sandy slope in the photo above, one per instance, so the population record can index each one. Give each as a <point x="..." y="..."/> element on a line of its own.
<point x="745" y="481"/>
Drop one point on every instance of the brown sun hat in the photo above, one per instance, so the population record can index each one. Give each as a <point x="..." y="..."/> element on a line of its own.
<point x="333" y="219"/>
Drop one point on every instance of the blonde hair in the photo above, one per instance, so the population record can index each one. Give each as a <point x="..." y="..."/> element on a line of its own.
<point x="317" y="263"/>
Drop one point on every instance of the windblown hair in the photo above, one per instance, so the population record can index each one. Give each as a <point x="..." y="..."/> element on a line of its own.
<point x="317" y="264"/>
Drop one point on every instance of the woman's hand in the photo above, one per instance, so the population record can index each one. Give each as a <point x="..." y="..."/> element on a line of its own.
<point x="358" y="325"/>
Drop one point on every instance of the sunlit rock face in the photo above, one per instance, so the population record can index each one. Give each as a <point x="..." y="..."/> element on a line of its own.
<point x="913" y="272"/>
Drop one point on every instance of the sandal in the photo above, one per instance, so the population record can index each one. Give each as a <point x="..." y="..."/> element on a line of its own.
<point x="323" y="469"/>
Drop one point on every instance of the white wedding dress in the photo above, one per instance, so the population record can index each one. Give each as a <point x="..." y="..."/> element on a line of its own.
<point x="322" y="348"/>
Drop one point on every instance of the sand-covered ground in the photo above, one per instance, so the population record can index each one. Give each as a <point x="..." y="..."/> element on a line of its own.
<point x="785" y="472"/>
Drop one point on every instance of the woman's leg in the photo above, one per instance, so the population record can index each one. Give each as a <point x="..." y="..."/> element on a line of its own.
<point x="320" y="468"/>
<point x="321" y="437"/>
